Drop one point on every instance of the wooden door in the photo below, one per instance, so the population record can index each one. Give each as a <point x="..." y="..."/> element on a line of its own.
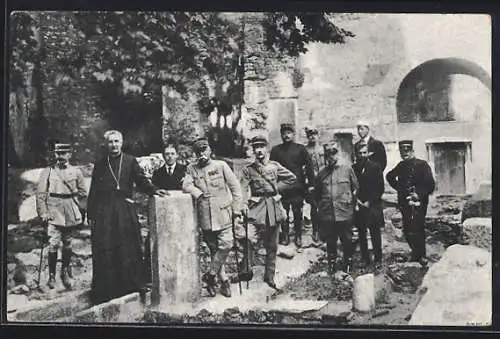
<point x="449" y="162"/>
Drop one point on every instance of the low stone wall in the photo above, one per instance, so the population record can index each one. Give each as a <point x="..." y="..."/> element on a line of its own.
<point x="457" y="290"/>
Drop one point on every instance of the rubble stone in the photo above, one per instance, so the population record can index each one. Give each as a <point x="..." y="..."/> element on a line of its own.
<point x="458" y="289"/>
<point x="479" y="205"/>
<point x="477" y="232"/>
<point x="286" y="252"/>
<point x="406" y="277"/>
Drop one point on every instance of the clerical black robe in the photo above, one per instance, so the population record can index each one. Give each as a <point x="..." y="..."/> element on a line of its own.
<point x="117" y="259"/>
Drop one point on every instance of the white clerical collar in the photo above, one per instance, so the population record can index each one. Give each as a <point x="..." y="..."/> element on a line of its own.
<point x="365" y="139"/>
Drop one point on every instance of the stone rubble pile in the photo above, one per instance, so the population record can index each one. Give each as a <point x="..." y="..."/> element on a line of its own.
<point x="477" y="232"/>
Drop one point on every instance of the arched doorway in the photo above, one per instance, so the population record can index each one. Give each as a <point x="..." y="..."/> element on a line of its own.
<point x="444" y="106"/>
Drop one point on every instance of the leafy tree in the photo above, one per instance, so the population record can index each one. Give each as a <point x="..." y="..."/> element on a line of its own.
<point x="122" y="59"/>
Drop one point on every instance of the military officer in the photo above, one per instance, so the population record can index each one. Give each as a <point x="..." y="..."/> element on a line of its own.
<point x="60" y="192"/>
<point x="335" y="191"/>
<point x="217" y="192"/>
<point x="318" y="162"/>
<point x="413" y="180"/>
<point x="262" y="182"/>
<point x="295" y="158"/>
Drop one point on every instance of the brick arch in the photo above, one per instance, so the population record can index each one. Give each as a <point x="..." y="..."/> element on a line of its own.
<point x="423" y="95"/>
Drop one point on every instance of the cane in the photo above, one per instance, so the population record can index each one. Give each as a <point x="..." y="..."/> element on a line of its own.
<point x="41" y="258"/>
<point x="245" y="224"/>
<point x="235" y="248"/>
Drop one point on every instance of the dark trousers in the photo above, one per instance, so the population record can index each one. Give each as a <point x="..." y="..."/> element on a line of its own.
<point x="314" y="216"/>
<point x="368" y="219"/>
<point x="413" y="229"/>
<point x="331" y="232"/>
<point x="298" y="217"/>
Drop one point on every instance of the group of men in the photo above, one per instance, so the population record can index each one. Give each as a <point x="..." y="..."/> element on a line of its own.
<point x="233" y="212"/>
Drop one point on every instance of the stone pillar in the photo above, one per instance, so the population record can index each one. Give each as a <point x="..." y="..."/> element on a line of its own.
<point x="174" y="249"/>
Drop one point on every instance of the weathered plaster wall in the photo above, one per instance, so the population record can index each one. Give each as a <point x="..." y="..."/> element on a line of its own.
<point x="360" y="80"/>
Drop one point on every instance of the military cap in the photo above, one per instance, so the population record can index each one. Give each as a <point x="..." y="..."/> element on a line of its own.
<point x="330" y="148"/>
<point x="200" y="145"/>
<point x="259" y="140"/>
<point x="60" y="147"/>
<point x="363" y="123"/>
<point x="406" y="144"/>
<point x="287" y="127"/>
<point x="311" y="131"/>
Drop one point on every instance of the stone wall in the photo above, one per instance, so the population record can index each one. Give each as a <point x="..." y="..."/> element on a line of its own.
<point x="361" y="80"/>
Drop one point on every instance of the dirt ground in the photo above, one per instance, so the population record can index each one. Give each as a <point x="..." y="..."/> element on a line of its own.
<point x="393" y="308"/>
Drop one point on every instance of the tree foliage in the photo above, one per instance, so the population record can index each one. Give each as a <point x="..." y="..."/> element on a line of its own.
<point x="125" y="57"/>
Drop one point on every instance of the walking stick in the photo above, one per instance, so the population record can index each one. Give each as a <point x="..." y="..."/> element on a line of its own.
<point x="235" y="248"/>
<point x="41" y="257"/>
<point x="245" y="224"/>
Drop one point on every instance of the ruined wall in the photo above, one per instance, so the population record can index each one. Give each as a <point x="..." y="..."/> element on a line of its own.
<point x="361" y="78"/>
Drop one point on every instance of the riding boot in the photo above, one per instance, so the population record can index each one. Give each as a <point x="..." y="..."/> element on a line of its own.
<point x="285" y="233"/>
<point x="225" y="288"/>
<point x="65" y="275"/>
<point x="298" y="235"/>
<point x="52" y="269"/>
<point x="209" y="280"/>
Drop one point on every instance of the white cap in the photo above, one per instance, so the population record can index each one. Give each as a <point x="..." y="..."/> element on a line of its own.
<point x="363" y="123"/>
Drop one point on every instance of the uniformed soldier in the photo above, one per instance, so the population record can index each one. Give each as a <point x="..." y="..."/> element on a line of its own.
<point x="413" y="180"/>
<point x="217" y="192"/>
<point x="335" y="191"/>
<point x="262" y="182"/>
<point x="318" y="162"/>
<point x="294" y="157"/>
<point x="59" y="194"/>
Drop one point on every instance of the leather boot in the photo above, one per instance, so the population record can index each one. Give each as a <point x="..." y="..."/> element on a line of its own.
<point x="52" y="269"/>
<point x="225" y="289"/>
<point x="285" y="234"/>
<point x="209" y="280"/>
<point x="298" y="236"/>
<point x="66" y="259"/>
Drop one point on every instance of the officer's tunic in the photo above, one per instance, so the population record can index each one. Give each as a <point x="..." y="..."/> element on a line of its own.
<point x="261" y="197"/>
<point x="58" y="199"/>
<point x="261" y="184"/>
<point x="61" y="202"/>
<point x="217" y="179"/>
<point x="413" y="174"/>
<point x="117" y="259"/>
<point x="294" y="157"/>
<point x="335" y="194"/>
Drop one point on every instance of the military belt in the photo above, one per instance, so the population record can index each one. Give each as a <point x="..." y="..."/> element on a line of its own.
<point x="64" y="196"/>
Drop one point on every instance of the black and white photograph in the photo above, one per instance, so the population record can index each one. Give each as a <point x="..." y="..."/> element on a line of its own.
<point x="192" y="168"/>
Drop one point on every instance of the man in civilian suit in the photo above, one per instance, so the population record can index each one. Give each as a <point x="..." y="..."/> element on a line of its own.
<point x="170" y="175"/>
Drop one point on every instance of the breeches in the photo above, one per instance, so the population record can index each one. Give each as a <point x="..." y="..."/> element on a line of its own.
<point x="59" y="235"/>
<point x="267" y="235"/>
<point x="220" y="244"/>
